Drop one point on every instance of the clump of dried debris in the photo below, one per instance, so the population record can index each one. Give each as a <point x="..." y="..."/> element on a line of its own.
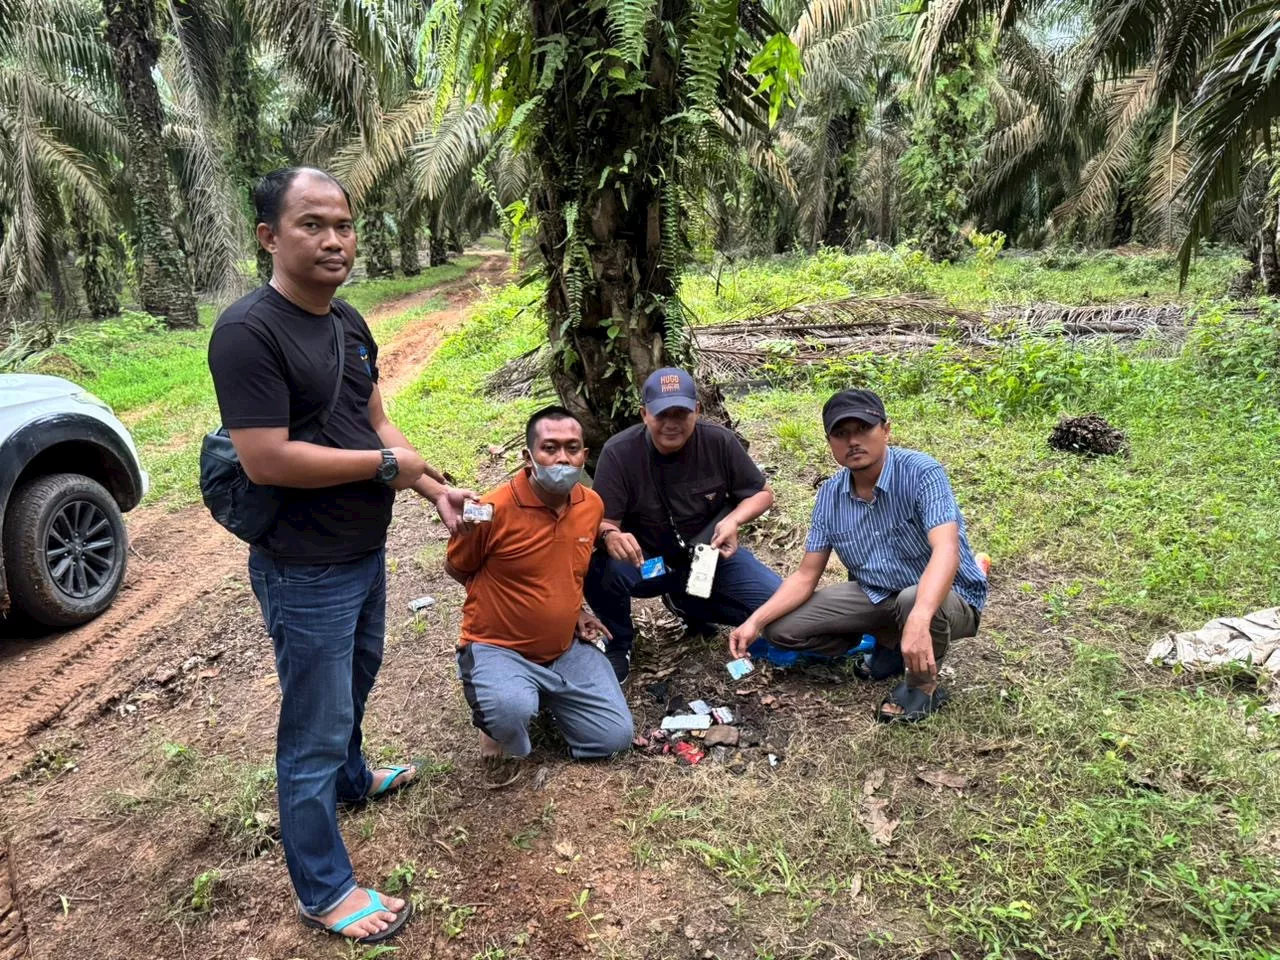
<point x="1090" y="434"/>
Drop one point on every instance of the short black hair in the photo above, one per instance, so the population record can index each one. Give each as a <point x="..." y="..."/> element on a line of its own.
<point x="546" y="413"/>
<point x="269" y="192"/>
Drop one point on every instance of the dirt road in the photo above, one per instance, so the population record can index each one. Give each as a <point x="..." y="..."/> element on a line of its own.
<point x="177" y="559"/>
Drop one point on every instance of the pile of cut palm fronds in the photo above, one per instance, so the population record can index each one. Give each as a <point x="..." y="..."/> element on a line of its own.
<point x="817" y="332"/>
<point x="798" y="335"/>
<point x="738" y="352"/>
<point x="1116" y="320"/>
<point x="525" y="376"/>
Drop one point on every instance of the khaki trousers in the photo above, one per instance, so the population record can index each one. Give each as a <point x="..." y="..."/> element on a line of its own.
<point x="835" y="618"/>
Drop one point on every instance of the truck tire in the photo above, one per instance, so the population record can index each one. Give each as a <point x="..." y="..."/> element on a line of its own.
<point x="65" y="549"/>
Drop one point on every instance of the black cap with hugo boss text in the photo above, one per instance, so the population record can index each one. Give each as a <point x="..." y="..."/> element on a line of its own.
<point x="859" y="404"/>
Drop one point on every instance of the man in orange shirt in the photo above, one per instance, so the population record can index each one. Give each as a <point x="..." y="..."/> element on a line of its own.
<point x="526" y="639"/>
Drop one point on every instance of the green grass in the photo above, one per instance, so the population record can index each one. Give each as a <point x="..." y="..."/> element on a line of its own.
<point x="445" y="412"/>
<point x="1176" y="531"/>
<point x="1132" y="811"/>
<point x="158" y="380"/>
<point x="368" y="294"/>
<point x="752" y="287"/>
<point x="1113" y="809"/>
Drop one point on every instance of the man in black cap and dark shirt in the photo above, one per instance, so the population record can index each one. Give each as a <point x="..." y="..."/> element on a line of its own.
<point x="913" y="581"/>
<point x="669" y="483"/>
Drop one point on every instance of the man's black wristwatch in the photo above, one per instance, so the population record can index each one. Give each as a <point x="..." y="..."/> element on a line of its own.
<point x="389" y="469"/>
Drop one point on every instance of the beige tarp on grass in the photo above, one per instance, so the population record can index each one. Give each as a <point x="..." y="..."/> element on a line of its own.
<point x="1251" y="640"/>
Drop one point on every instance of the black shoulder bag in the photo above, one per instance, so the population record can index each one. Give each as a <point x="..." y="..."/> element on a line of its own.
<point x="246" y="508"/>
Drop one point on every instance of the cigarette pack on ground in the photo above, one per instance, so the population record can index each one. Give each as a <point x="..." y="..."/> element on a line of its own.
<point x="687" y="721"/>
<point x="722" y="715"/>
<point x="739" y="668"/>
<point x="699" y="706"/>
<point x="688" y="753"/>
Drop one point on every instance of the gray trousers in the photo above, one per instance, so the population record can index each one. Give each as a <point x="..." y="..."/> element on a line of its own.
<point x="505" y="692"/>
<point x="835" y="618"/>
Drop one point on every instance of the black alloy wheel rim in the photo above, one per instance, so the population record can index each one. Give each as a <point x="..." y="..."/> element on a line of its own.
<point x="80" y="549"/>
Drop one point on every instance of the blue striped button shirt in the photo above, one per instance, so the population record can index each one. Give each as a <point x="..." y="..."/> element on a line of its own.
<point x="884" y="542"/>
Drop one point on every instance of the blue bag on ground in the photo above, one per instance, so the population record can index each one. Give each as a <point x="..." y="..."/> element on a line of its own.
<point x="777" y="656"/>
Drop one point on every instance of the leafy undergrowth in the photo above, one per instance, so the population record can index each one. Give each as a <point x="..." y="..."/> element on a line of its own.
<point x="158" y="381"/>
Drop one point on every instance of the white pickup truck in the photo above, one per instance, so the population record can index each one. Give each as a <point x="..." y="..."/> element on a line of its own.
<point x="68" y="472"/>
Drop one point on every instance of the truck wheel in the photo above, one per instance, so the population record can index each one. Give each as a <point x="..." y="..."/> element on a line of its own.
<point x="65" y="549"/>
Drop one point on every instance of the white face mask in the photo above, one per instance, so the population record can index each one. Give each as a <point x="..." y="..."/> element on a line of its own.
<point x="559" y="478"/>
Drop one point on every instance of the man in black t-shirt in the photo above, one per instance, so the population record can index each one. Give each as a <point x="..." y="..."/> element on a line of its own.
<point x="668" y="483"/>
<point x="320" y="572"/>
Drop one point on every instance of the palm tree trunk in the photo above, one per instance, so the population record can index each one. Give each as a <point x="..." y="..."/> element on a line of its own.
<point x="612" y="315"/>
<point x="410" y="233"/>
<point x="164" y="282"/>
<point x="375" y="236"/>
<point x="1268" y="263"/>
<point x="884" y="229"/>
<point x="243" y="109"/>
<point x="437" y="250"/>
<point x="1245" y="283"/>
<point x="96" y="274"/>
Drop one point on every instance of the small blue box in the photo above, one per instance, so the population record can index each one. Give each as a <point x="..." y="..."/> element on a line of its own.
<point x="653" y="567"/>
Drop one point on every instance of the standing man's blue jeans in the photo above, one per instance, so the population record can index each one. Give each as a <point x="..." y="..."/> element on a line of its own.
<point x="327" y="624"/>
<point x="741" y="585"/>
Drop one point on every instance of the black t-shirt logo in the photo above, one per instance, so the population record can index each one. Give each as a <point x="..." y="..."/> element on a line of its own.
<point x="364" y="356"/>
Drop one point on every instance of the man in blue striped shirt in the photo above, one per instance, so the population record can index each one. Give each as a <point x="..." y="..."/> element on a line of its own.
<point x="913" y="581"/>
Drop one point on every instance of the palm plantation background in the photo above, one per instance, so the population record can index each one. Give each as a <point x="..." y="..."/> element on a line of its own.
<point x="993" y="213"/>
<point x="616" y="141"/>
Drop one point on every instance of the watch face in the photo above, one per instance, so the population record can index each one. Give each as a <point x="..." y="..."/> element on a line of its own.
<point x="387" y="472"/>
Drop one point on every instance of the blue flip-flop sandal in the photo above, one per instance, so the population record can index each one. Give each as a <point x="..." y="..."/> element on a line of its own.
<point x="376" y="905"/>
<point x="390" y="785"/>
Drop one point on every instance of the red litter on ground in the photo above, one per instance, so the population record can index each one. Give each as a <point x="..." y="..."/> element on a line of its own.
<point x="688" y="753"/>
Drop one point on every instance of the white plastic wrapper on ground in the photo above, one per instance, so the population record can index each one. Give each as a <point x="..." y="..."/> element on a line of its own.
<point x="1251" y="640"/>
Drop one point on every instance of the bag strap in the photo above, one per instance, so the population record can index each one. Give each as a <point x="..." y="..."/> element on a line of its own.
<point x="704" y="535"/>
<point x="661" y="491"/>
<point x="337" y="385"/>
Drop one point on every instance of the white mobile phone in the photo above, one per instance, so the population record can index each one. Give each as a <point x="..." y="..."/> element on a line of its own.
<point x="703" y="572"/>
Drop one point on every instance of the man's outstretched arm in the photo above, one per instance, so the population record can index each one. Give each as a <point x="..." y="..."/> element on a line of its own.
<point x="795" y="590"/>
<point x="430" y="484"/>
